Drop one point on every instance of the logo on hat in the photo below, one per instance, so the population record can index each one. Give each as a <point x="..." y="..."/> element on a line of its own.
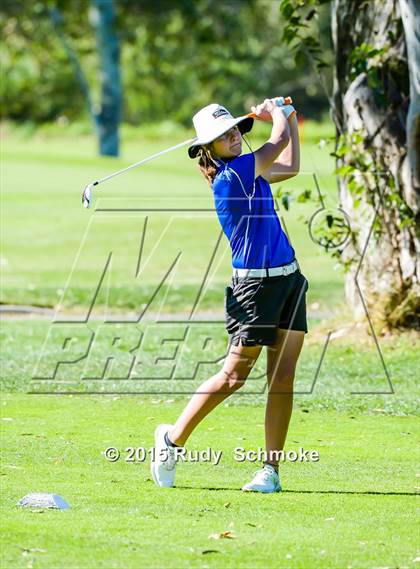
<point x="220" y="113"/>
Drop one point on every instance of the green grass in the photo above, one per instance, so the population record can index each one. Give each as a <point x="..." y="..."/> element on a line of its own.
<point x="55" y="250"/>
<point x="351" y="377"/>
<point x="348" y="509"/>
<point x="354" y="508"/>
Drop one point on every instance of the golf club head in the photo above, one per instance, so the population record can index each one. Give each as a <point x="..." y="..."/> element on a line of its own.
<point x="87" y="196"/>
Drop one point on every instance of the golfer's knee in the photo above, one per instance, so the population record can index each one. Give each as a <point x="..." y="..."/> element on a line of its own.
<point x="281" y="380"/>
<point x="232" y="380"/>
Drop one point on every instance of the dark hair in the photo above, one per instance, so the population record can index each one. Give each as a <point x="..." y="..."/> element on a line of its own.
<point x="206" y="164"/>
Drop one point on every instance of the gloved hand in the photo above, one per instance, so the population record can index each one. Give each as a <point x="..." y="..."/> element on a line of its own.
<point x="280" y="101"/>
<point x="288" y="110"/>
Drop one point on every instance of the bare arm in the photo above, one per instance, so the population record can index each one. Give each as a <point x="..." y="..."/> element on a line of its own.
<point x="287" y="164"/>
<point x="279" y="138"/>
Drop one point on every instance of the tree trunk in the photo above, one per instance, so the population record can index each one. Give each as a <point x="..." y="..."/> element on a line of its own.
<point x="376" y="112"/>
<point x="108" y="118"/>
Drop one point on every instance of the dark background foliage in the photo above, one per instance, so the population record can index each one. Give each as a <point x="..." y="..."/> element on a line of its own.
<point x="175" y="57"/>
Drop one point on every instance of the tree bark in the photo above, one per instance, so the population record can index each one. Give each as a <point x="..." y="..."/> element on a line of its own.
<point x="376" y="96"/>
<point x="108" y="118"/>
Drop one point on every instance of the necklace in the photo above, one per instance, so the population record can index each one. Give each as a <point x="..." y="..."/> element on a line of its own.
<point x="248" y="196"/>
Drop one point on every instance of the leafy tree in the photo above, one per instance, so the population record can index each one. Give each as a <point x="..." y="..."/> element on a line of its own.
<point x="37" y="77"/>
<point x="190" y="52"/>
<point x="375" y="107"/>
<point x="48" y="51"/>
<point x="175" y="57"/>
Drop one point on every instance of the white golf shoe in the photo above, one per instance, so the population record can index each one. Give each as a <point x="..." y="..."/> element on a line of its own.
<point x="265" y="480"/>
<point x="164" y="459"/>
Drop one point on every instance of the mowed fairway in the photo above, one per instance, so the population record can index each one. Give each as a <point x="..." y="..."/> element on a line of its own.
<point x="56" y="250"/>
<point x="353" y="508"/>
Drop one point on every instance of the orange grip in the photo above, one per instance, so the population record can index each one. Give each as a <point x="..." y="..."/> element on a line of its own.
<point x="287" y="101"/>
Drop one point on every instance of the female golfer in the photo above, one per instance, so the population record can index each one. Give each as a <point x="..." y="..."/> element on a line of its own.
<point x="265" y="304"/>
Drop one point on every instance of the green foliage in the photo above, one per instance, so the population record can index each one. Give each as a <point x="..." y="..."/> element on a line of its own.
<point x="359" y="167"/>
<point x="176" y="57"/>
<point x="38" y="81"/>
<point x="286" y="200"/>
<point x="304" y="196"/>
<point x="369" y="60"/>
<point x="301" y="28"/>
<point x="226" y="57"/>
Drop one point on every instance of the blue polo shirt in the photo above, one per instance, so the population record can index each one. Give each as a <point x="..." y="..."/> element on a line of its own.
<point x="251" y="224"/>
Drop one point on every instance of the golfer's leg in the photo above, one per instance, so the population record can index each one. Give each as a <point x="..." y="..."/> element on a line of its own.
<point x="281" y="365"/>
<point x="236" y="368"/>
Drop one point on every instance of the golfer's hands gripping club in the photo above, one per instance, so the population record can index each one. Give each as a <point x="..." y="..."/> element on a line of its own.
<point x="265" y="110"/>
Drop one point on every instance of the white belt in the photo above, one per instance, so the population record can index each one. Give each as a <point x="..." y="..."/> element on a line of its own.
<point x="271" y="272"/>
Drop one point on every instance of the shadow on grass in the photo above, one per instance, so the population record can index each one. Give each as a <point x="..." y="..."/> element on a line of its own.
<point x="363" y="493"/>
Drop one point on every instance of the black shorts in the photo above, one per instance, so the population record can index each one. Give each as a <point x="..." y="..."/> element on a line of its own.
<point x="256" y="307"/>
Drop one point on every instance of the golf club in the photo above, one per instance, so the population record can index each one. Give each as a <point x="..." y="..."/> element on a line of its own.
<point x="87" y="192"/>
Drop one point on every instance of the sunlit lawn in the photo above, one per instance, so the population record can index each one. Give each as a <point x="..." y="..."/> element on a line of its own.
<point x="354" y="508"/>
<point x="51" y="244"/>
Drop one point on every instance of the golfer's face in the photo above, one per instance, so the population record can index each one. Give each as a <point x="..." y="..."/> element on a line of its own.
<point x="229" y="144"/>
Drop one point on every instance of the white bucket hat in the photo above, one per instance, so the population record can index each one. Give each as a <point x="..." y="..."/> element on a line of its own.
<point x="213" y="121"/>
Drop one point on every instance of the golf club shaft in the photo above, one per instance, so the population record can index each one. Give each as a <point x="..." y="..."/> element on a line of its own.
<point x="287" y="101"/>
<point x="97" y="182"/>
<point x="87" y="193"/>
